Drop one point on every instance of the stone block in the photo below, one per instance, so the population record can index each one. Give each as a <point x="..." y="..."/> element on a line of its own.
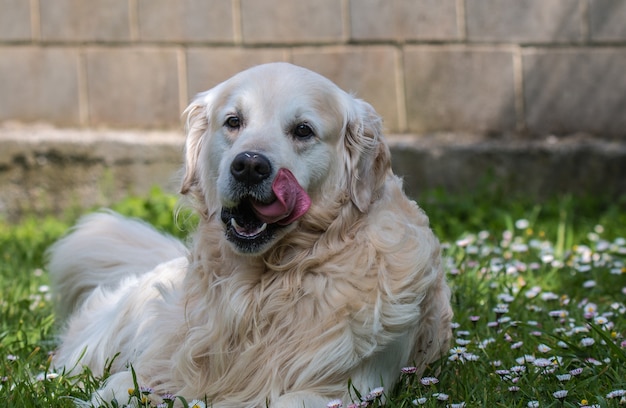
<point x="39" y="85"/>
<point x="458" y="88"/>
<point x="186" y="20"/>
<point x="15" y="20"/>
<point x="129" y="87"/>
<point x="79" y="20"/>
<point x="291" y="22"/>
<point x="368" y="72"/>
<point x="402" y="20"/>
<point x="608" y="20"/>
<point x="207" y="67"/>
<point x="575" y="90"/>
<point x="529" y="21"/>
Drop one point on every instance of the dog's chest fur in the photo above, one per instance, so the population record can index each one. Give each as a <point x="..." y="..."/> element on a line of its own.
<point x="301" y="320"/>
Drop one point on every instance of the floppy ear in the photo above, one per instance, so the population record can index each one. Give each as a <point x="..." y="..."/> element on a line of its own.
<point x="196" y="125"/>
<point x="366" y="155"/>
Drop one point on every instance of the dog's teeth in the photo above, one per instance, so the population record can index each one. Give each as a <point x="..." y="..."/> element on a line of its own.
<point x="244" y="232"/>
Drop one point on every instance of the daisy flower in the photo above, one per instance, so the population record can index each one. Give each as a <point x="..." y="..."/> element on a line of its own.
<point x="600" y="320"/>
<point x="615" y="394"/>
<point x="429" y="380"/>
<point x="146" y="390"/>
<point x="542" y="362"/>
<point x="522" y="224"/>
<point x="587" y="342"/>
<point x="336" y="403"/>
<point x="197" y="404"/>
<point x="377" y="392"/>
<point x="518" y="369"/>
<point x="589" y="284"/>
<point x="543" y="348"/>
<point x="526" y="359"/>
<point x="564" y="377"/>
<point x="458" y="350"/>
<point x="560" y="394"/>
<point x="168" y="397"/>
<point x="558" y="313"/>
<point x="441" y="396"/>
<point x="576" y="371"/>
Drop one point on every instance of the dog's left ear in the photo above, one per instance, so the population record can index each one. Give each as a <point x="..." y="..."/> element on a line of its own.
<point x="366" y="155"/>
<point x="196" y="125"/>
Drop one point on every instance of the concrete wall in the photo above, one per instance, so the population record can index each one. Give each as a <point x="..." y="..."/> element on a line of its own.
<point x="486" y="66"/>
<point x="468" y="89"/>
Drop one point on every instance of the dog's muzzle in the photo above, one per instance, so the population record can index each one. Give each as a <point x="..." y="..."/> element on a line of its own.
<point x="252" y="223"/>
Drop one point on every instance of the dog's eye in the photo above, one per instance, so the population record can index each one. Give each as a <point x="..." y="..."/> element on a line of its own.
<point x="233" y="122"/>
<point x="303" y="131"/>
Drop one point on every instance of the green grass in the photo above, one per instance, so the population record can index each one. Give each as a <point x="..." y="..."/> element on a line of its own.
<point x="538" y="293"/>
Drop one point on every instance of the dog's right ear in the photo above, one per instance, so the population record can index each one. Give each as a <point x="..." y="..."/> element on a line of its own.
<point x="196" y="124"/>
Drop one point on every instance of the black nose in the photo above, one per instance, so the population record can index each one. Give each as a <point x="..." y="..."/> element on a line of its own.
<point x="250" y="168"/>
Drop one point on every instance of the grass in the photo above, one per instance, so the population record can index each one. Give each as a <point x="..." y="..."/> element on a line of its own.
<point x="539" y="294"/>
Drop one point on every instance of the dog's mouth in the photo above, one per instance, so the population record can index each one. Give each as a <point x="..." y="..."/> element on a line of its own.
<point x="252" y="223"/>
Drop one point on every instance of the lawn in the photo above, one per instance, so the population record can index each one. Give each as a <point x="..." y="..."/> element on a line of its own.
<point x="539" y="293"/>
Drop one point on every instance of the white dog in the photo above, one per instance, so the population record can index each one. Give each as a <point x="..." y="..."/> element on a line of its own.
<point x="310" y="268"/>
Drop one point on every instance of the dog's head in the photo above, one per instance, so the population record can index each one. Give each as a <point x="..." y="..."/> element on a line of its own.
<point x="266" y="144"/>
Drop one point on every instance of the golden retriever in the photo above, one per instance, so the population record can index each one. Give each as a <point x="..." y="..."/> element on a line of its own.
<point x="309" y="268"/>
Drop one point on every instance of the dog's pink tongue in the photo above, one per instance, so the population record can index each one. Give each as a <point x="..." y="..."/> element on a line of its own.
<point x="291" y="203"/>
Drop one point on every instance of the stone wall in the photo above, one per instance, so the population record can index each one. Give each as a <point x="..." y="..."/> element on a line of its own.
<point x="484" y="66"/>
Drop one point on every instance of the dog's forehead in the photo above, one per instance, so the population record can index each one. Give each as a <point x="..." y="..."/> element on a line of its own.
<point x="283" y="84"/>
<point x="282" y="72"/>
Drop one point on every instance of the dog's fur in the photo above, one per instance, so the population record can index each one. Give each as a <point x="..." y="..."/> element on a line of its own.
<point x="353" y="290"/>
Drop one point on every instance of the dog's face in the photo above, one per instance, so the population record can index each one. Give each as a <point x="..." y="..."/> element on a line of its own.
<point x="267" y="143"/>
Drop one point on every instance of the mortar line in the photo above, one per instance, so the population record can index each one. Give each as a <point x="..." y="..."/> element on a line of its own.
<point x="35" y="20"/>
<point x="133" y="19"/>
<point x="83" y="91"/>
<point x="461" y="20"/>
<point x="237" y="22"/>
<point x="346" y="20"/>
<point x="401" y="91"/>
<point x="585" y="17"/>
<point x="183" y="93"/>
<point x="518" y="84"/>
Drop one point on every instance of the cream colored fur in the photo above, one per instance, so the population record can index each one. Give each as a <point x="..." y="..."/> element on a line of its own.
<point x="354" y="290"/>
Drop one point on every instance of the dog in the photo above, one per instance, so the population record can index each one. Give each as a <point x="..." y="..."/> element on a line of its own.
<point x="309" y="272"/>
